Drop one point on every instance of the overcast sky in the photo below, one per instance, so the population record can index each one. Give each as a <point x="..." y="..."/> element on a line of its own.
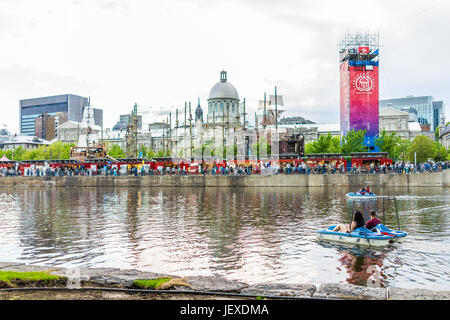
<point x="160" y="54"/>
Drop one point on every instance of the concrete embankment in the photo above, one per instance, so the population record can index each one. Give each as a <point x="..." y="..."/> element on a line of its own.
<point x="118" y="278"/>
<point x="436" y="179"/>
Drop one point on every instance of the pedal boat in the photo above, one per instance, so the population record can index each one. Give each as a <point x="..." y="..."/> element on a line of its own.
<point x="359" y="236"/>
<point x="357" y="195"/>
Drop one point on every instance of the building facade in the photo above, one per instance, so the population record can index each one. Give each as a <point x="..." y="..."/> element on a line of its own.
<point x="65" y="106"/>
<point x="123" y="122"/>
<point x="426" y="110"/>
<point x="24" y="141"/>
<point x="397" y="121"/>
<point x="44" y="127"/>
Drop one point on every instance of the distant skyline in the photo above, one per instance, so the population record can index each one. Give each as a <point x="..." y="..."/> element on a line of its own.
<point x="160" y="54"/>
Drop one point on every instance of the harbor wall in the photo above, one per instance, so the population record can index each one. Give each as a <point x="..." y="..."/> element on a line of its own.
<point x="435" y="179"/>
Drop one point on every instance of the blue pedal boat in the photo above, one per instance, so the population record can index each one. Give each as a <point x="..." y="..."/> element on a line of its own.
<point x="378" y="236"/>
<point x="360" y="236"/>
<point x="357" y="195"/>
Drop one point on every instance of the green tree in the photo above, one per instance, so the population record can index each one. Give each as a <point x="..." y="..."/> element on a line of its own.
<point x="440" y="152"/>
<point x="116" y="152"/>
<point x="403" y="149"/>
<point x="436" y="133"/>
<point x="423" y="147"/>
<point x="353" y="142"/>
<point x="394" y="145"/>
<point x="325" y="144"/>
<point x="18" y="153"/>
<point x="260" y="145"/>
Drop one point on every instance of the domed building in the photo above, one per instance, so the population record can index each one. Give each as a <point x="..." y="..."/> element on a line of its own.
<point x="223" y="101"/>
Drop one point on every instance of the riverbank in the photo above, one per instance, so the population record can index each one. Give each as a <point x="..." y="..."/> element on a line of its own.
<point x="111" y="283"/>
<point x="434" y="179"/>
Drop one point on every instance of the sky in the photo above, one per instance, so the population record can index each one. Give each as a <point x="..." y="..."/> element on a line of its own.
<point x="160" y="54"/>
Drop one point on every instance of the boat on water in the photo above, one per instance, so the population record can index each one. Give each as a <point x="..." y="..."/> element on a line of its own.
<point x="378" y="236"/>
<point x="398" y="235"/>
<point x="358" y="195"/>
<point x="361" y="236"/>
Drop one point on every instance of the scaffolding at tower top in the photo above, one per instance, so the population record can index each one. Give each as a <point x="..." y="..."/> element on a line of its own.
<point x="352" y="41"/>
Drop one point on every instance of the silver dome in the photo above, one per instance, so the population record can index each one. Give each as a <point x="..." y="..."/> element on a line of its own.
<point x="223" y="89"/>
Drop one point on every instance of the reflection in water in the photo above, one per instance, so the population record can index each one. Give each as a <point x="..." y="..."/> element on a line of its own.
<point x="248" y="234"/>
<point x="361" y="267"/>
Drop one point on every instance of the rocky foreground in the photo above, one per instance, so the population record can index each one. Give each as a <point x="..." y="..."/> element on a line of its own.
<point x="110" y="283"/>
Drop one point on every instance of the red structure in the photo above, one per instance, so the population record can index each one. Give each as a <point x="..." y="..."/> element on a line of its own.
<point x="359" y="98"/>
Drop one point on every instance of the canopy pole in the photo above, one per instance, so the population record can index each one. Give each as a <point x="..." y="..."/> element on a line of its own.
<point x="396" y="213"/>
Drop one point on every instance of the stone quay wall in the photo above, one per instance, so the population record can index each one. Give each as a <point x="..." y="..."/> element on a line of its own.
<point x="435" y="179"/>
<point x="119" y="278"/>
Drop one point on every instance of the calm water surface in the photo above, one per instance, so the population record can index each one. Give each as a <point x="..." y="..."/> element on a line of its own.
<point x="252" y="235"/>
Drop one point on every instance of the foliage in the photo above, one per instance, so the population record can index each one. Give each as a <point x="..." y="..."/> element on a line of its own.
<point x="353" y="142"/>
<point x="116" y="152"/>
<point x="325" y="144"/>
<point x="260" y="145"/>
<point x="150" y="283"/>
<point x="147" y="152"/>
<point x="394" y="145"/>
<point x="423" y="147"/>
<point x="162" y="154"/>
<point x="7" y="276"/>
<point x="440" y="152"/>
<point x="57" y="150"/>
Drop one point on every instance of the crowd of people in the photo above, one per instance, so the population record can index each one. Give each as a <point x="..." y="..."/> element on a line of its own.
<point x="264" y="168"/>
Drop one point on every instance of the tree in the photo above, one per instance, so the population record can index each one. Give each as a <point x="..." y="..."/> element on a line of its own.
<point x="394" y="145"/>
<point x="147" y="152"/>
<point x="325" y="144"/>
<point x="260" y="145"/>
<point x="440" y="152"/>
<point x="403" y="149"/>
<point x="116" y="151"/>
<point x="422" y="147"/>
<point x="353" y="142"/>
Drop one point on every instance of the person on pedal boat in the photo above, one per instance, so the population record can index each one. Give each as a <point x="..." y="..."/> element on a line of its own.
<point x="374" y="221"/>
<point x="362" y="191"/>
<point x="358" y="221"/>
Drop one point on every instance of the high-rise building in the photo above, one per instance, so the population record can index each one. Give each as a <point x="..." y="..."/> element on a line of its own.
<point x="68" y="106"/>
<point x="438" y="111"/>
<point x="359" y="85"/>
<point x="123" y="122"/>
<point x="427" y="111"/>
<point x="44" y="127"/>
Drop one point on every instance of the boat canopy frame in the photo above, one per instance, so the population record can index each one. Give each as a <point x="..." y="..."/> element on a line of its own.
<point x="384" y="209"/>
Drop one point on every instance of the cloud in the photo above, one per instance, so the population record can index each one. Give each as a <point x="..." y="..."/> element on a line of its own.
<point x="163" y="53"/>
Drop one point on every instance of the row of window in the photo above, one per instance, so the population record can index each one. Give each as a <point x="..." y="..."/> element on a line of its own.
<point x="218" y="107"/>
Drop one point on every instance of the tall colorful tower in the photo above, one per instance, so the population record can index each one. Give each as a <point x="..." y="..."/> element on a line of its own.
<point x="358" y="58"/>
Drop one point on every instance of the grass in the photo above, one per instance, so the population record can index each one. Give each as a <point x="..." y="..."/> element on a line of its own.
<point x="7" y="276"/>
<point x="151" y="283"/>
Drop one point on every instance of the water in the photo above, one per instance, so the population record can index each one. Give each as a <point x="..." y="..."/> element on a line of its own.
<point x="253" y="235"/>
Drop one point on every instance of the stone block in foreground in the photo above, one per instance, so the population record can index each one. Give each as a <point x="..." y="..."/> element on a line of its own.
<point x="213" y="284"/>
<point x="276" y="289"/>
<point x="342" y="291"/>
<point x="417" y="294"/>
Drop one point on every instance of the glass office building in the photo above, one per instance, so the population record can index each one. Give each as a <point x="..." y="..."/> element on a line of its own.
<point x="426" y="109"/>
<point x="71" y="105"/>
<point x="438" y="110"/>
